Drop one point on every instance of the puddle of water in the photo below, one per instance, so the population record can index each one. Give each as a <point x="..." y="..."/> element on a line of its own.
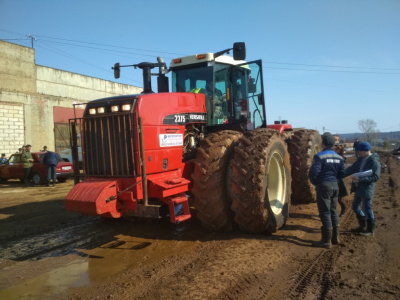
<point x="91" y="265"/>
<point x="51" y="284"/>
<point x="130" y="252"/>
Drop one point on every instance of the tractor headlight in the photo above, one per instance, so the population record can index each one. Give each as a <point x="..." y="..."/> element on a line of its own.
<point x="126" y="107"/>
<point x="101" y="110"/>
<point x="92" y="111"/>
<point x="114" y="108"/>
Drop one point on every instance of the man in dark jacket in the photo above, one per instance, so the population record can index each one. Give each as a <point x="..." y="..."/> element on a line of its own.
<point x="355" y="146"/>
<point x="327" y="168"/>
<point x="51" y="160"/>
<point x="365" y="188"/>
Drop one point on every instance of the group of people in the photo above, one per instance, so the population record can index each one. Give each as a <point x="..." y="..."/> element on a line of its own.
<point x="50" y="159"/>
<point x="327" y="174"/>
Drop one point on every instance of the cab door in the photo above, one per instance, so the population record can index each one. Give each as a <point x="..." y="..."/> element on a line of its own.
<point x="248" y="94"/>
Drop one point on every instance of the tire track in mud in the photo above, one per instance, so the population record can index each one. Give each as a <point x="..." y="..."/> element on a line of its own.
<point x="215" y="270"/>
<point x="44" y="244"/>
<point x="315" y="279"/>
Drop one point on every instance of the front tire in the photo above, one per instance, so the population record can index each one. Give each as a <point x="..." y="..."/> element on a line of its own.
<point x="36" y="179"/>
<point x="261" y="181"/>
<point x="211" y="186"/>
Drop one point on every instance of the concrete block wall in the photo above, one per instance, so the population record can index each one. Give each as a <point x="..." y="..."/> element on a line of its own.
<point x="11" y="128"/>
<point x="79" y="87"/>
<point x="18" y="69"/>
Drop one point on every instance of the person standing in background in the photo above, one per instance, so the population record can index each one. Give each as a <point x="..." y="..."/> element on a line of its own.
<point x="324" y="173"/>
<point x="3" y="159"/>
<point x="355" y="147"/>
<point x="343" y="192"/>
<point x="365" y="188"/>
<point x="51" y="160"/>
<point x="27" y="164"/>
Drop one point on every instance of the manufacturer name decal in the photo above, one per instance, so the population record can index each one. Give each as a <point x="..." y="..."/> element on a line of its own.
<point x="182" y="119"/>
<point x="169" y="140"/>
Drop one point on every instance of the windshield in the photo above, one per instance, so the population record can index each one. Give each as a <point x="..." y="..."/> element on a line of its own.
<point x="234" y="94"/>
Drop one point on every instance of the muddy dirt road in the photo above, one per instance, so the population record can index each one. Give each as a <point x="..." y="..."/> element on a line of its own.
<point x="49" y="253"/>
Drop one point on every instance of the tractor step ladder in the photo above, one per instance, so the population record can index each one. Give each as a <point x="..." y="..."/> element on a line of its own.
<point x="174" y="202"/>
<point x="171" y="190"/>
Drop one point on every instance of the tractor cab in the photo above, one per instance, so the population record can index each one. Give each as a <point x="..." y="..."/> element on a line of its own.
<point x="233" y="88"/>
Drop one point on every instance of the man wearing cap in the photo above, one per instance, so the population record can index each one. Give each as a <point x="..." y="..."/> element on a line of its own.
<point x="365" y="187"/>
<point x="27" y="164"/>
<point x="327" y="168"/>
<point x="3" y="159"/>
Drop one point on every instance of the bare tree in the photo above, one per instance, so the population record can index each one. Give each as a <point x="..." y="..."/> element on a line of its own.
<point x="367" y="126"/>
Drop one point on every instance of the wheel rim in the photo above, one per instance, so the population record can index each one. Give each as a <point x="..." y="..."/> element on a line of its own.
<point x="315" y="150"/>
<point x="36" y="179"/>
<point x="275" y="183"/>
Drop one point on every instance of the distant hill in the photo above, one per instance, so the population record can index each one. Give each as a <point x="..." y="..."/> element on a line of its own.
<point x="383" y="136"/>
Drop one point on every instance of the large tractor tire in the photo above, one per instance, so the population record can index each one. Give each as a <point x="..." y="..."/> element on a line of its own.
<point x="261" y="182"/>
<point x="211" y="185"/>
<point x="303" y="145"/>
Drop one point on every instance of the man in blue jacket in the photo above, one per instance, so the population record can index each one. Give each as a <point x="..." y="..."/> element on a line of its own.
<point x="327" y="168"/>
<point x="51" y="160"/>
<point x="365" y="188"/>
<point x="3" y="159"/>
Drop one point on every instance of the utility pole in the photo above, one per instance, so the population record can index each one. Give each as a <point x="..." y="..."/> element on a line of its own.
<point x="32" y="38"/>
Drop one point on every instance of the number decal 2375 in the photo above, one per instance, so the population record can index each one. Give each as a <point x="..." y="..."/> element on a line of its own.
<point x="179" y="119"/>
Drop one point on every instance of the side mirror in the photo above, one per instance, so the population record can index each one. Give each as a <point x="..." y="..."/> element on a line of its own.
<point x="117" y="71"/>
<point x="239" y="51"/>
<point x="260" y="100"/>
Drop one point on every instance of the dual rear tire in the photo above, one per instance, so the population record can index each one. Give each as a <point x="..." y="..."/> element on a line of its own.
<point x="261" y="182"/>
<point x="242" y="180"/>
<point x="211" y="180"/>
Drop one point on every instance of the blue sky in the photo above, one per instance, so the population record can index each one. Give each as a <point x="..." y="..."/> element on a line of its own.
<point x="326" y="64"/>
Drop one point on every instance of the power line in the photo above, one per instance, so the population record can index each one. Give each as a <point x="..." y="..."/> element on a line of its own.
<point x="333" y="71"/>
<point x="62" y="53"/>
<point x="113" y="46"/>
<point x="330" y="66"/>
<point x="15" y="39"/>
<point x="53" y="40"/>
<point x="95" y="48"/>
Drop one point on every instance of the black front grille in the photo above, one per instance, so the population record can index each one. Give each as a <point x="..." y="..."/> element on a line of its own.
<point x="109" y="145"/>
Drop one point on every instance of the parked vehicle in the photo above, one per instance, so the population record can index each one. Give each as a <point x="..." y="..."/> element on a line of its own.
<point x="66" y="154"/>
<point x="14" y="170"/>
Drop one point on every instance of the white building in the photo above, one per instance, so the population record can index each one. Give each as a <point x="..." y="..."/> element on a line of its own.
<point x="36" y="101"/>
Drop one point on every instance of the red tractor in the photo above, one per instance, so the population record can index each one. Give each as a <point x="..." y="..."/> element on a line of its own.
<point x="208" y="138"/>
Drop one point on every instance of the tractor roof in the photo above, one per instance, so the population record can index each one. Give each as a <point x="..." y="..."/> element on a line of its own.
<point x="202" y="58"/>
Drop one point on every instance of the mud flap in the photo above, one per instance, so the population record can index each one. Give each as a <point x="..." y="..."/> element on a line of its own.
<point x="93" y="198"/>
